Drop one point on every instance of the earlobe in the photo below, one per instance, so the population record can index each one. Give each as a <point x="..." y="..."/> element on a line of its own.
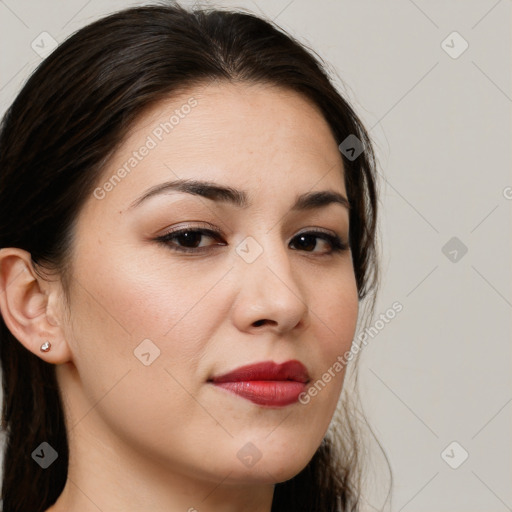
<point x="25" y="300"/>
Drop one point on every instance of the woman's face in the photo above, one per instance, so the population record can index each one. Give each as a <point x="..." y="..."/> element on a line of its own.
<point x="154" y="319"/>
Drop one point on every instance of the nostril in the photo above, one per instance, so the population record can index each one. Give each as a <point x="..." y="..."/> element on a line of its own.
<point x="259" y="322"/>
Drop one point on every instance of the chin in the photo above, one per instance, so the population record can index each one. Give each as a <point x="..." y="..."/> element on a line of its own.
<point x="270" y="471"/>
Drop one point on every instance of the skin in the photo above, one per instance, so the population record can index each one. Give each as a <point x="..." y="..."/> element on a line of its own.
<point x="160" y="437"/>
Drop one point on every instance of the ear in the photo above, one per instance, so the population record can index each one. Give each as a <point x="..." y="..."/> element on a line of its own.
<point x="31" y="306"/>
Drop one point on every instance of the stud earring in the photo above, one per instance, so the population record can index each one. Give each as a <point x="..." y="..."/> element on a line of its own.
<point x="45" y="347"/>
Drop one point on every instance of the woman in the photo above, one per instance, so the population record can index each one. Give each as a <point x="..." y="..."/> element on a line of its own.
<point x="188" y="223"/>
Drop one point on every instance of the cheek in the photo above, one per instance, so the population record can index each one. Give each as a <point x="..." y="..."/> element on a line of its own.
<point x="334" y="314"/>
<point x="335" y="310"/>
<point x="142" y="295"/>
<point x="118" y="306"/>
<point x="147" y="405"/>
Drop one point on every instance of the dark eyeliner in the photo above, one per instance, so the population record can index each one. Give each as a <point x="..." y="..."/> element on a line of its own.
<point x="336" y="243"/>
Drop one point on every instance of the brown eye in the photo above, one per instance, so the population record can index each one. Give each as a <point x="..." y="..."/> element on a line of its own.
<point x="189" y="240"/>
<point x="308" y="242"/>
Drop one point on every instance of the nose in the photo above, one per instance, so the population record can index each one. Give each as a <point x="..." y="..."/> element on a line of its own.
<point x="269" y="296"/>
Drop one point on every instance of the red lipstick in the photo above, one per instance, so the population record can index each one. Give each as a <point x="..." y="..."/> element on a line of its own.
<point x="266" y="383"/>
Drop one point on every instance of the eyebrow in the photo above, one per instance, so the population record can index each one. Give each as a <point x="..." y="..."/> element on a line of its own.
<point x="239" y="198"/>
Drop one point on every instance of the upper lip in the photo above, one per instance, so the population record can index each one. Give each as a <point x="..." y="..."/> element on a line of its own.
<point x="266" y="370"/>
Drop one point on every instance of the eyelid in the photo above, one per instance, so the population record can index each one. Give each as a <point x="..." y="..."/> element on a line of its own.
<point x="193" y="225"/>
<point x="217" y="231"/>
<point x="314" y="229"/>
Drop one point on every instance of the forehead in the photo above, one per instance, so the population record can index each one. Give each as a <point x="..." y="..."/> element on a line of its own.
<point x="247" y="135"/>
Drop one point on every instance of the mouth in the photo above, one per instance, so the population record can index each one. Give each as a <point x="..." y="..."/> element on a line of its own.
<point x="266" y="383"/>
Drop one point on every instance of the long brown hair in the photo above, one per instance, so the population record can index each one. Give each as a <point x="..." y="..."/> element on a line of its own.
<point x="55" y="139"/>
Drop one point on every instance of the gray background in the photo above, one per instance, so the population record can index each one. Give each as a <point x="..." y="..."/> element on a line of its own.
<point x="441" y="370"/>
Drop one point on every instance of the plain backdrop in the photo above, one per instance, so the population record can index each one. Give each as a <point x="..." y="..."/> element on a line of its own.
<point x="431" y="80"/>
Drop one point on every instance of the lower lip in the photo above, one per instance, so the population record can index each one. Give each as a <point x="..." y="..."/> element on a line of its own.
<point x="263" y="392"/>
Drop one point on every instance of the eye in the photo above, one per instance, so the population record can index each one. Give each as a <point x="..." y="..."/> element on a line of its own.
<point x="189" y="240"/>
<point x="307" y="242"/>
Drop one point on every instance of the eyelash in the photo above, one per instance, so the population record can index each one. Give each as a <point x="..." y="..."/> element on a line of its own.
<point x="337" y="244"/>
